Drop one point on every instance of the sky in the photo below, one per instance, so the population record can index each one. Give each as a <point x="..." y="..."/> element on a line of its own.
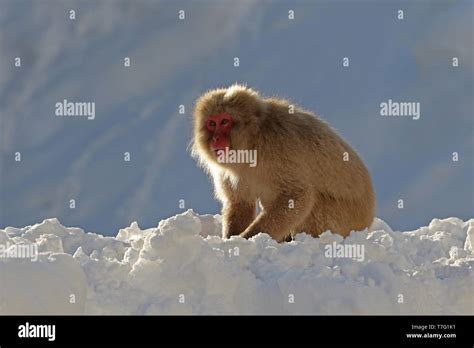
<point x="173" y="61"/>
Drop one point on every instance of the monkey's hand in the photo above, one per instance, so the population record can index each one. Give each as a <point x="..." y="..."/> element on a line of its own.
<point x="265" y="224"/>
<point x="250" y="232"/>
<point x="279" y="220"/>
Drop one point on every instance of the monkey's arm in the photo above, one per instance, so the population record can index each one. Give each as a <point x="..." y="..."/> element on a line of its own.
<point x="279" y="219"/>
<point x="238" y="211"/>
<point x="237" y="216"/>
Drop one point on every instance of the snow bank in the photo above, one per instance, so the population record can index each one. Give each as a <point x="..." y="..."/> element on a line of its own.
<point x="184" y="267"/>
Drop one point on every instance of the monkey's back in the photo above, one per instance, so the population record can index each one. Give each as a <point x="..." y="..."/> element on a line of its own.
<point x="307" y="149"/>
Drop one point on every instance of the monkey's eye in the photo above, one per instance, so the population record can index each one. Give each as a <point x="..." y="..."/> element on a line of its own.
<point x="211" y="124"/>
<point x="224" y="121"/>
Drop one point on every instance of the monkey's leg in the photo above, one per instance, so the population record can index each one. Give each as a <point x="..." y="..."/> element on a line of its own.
<point x="237" y="216"/>
<point x="336" y="215"/>
<point x="280" y="219"/>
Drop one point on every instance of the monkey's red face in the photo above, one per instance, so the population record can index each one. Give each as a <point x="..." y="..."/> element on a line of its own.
<point x="219" y="127"/>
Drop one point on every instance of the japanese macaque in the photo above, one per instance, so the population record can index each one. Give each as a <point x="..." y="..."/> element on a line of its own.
<point x="305" y="177"/>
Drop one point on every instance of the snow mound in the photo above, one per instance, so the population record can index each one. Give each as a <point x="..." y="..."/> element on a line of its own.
<point x="184" y="267"/>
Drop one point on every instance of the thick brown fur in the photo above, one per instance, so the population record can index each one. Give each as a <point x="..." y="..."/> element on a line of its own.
<point x="301" y="179"/>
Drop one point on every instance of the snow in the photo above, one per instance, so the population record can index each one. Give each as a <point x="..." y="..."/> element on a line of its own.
<point x="184" y="267"/>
